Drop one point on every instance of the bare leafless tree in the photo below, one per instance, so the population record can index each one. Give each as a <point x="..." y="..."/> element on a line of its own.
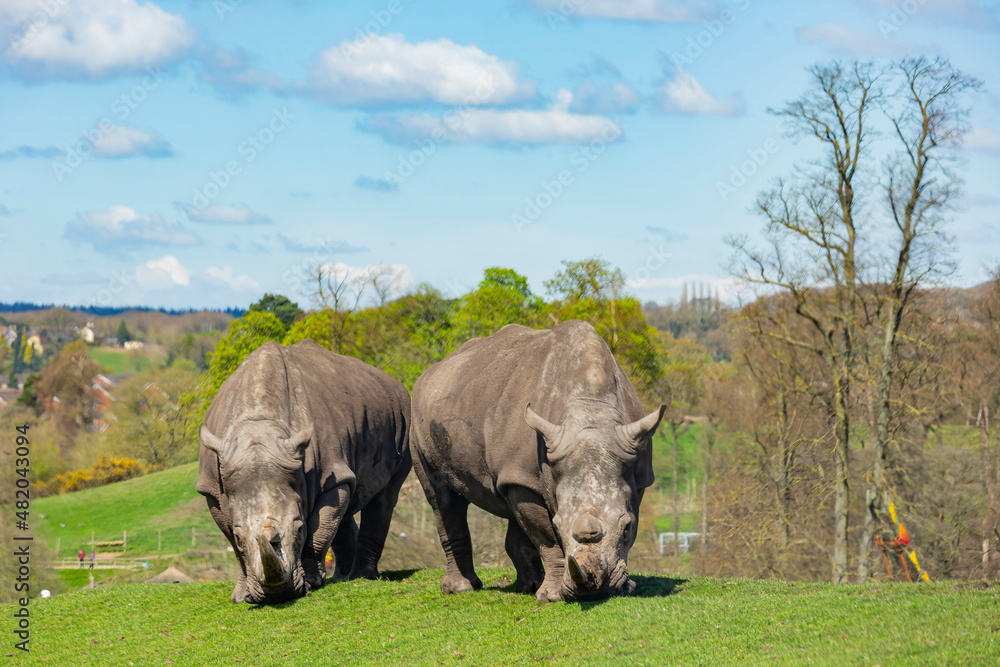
<point x="814" y="247"/>
<point x="929" y="121"/>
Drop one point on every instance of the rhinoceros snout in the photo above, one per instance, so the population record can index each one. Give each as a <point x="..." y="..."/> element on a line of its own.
<point x="588" y="572"/>
<point x="588" y="529"/>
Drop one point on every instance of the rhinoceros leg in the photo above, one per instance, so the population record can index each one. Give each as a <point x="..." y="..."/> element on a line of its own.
<point x="525" y="557"/>
<point x="450" y="518"/>
<point x="345" y="543"/>
<point x="327" y="514"/>
<point x="375" y="519"/>
<point x="533" y="518"/>
<point x="221" y="516"/>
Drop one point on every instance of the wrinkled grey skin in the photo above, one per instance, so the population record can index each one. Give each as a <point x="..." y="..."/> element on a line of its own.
<point x="542" y="428"/>
<point x="296" y="442"/>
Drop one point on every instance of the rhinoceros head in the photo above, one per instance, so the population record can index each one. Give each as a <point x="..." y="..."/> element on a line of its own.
<point x="597" y="503"/>
<point x="261" y="467"/>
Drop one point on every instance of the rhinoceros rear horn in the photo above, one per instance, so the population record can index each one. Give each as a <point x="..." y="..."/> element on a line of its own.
<point x="549" y="431"/>
<point x="635" y="433"/>
<point x="295" y="444"/>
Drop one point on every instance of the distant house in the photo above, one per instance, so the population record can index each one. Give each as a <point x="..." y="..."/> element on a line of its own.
<point x="8" y="396"/>
<point x="134" y="345"/>
<point x="35" y="342"/>
<point x="100" y="393"/>
<point x="88" y="333"/>
<point x="8" y="334"/>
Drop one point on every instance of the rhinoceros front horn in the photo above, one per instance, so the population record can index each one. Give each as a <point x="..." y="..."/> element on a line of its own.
<point x="274" y="574"/>
<point x="575" y="573"/>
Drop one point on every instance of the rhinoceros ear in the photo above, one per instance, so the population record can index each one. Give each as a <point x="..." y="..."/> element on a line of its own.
<point x="210" y="441"/>
<point x="635" y="433"/>
<point x="295" y="444"/>
<point x="549" y="431"/>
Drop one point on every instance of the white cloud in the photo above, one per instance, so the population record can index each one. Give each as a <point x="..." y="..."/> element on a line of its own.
<point x="124" y="141"/>
<point x="660" y="11"/>
<point x="982" y="139"/>
<point x="386" y="69"/>
<point x="494" y="126"/>
<point x="844" y="40"/>
<point x="167" y="271"/>
<point x="89" y="39"/>
<point x="226" y="276"/>
<point x="685" y="94"/>
<point x="228" y="215"/>
<point x="121" y="226"/>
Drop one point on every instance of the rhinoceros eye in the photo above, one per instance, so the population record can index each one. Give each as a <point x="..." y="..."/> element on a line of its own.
<point x="237" y="538"/>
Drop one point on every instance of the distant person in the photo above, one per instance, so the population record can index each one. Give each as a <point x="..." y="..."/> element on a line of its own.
<point x="91" y="559"/>
<point x="80" y="555"/>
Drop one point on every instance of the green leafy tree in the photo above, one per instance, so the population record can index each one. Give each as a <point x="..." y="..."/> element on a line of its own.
<point x="282" y="307"/>
<point x="503" y="297"/>
<point x="122" y="333"/>
<point x="149" y="419"/>
<point x="314" y="325"/>
<point x="29" y="395"/>
<point x="63" y="387"/>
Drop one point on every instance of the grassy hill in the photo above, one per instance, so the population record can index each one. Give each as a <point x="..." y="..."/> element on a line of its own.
<point x="119" y="362"/>
<point x="403" y="618"/>
<point x="157" y="511"/>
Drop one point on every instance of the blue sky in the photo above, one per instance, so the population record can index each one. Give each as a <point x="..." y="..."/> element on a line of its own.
<point x="198" y="154"/>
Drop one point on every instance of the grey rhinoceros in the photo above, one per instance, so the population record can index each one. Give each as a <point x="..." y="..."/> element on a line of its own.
<point x="296" y="442"/>
<point x="542" y="428"/>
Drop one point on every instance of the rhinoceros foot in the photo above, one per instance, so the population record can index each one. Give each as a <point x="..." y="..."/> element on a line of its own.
<point x="364" y="573"/>
<point x="240" y="591"/>
<point x="314" y="573"/>
<point x="527" y="584"/>
<point x="459" y="584"/>
<point x="550" y="591"/>
<point x="629" y="587"/>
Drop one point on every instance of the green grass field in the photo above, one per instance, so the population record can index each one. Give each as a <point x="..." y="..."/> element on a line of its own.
<point x="404" y="619"/>
<point x="119" y="362"/>
<point x="162" y="506"/>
